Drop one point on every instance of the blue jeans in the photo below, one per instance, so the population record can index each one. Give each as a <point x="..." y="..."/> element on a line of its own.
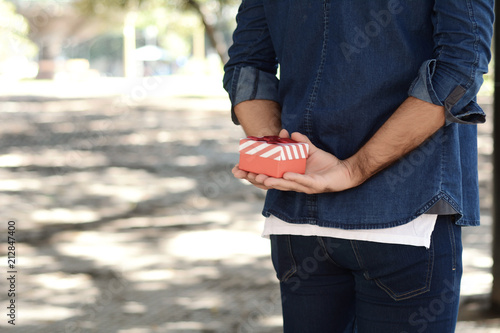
<point x="337" y="285"/>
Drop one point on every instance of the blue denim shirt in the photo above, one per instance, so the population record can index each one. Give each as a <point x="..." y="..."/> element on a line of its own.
<point x="344" y="68"/>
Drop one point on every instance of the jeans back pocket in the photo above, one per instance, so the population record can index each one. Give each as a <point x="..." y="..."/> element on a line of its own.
<point x="402" y="271"/>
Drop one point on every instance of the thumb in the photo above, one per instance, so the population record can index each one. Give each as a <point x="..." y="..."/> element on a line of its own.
<point x="284" y="134"/>
<point x="302" y="138"/>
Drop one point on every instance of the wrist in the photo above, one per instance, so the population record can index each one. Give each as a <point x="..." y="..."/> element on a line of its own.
<point x="356" y="170"/>
<point x="259" y="117"/>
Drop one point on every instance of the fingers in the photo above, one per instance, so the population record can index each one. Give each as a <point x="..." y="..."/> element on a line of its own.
<point x="258" y="184"/>
<point x="238" y="173"/>
<point x="258" y="180"/>
<point x="254" y="179"/>
<point x="290" y="182"/>
<point x="315" y="183"/>
<point x="284" y="134"/>
<point x="300" y="179"/>
<point x="302" y="138"/>
<point x="288" y="185"/>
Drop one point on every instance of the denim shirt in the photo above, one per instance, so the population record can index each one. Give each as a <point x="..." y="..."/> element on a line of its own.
<point x="344" y="68"/>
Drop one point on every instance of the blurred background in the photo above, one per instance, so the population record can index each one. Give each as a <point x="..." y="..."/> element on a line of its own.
<point x="116" y="149"/>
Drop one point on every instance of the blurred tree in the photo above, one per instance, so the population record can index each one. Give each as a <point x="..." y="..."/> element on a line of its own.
<point x="112" y="11"/>
<point x="53" y="25"/>
<point x="209" y="22"/>
<point x="212" y="15"/>
<point x="209" y="12"/>
<point x="14" y="39"/>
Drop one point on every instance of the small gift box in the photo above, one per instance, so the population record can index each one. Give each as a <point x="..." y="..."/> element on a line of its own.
<point x="272" y="155"/>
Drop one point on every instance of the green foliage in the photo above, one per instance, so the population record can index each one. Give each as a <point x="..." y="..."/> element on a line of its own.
<point x="14" y="30"/>
<point x="110" y="7"/>
<point x="104" y="7"/>
<point x="176" y="21"/>
<point x="175" y="27"/>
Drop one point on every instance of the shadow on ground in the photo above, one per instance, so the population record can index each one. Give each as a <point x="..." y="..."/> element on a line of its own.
<point x="129" y="221"/>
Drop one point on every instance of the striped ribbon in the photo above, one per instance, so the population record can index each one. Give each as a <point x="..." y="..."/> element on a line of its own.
<point x="280" y="151"/>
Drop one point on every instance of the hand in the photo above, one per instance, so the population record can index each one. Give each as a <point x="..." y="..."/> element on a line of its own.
<point x="324" y="173"/>
<point x="251" y="177"/>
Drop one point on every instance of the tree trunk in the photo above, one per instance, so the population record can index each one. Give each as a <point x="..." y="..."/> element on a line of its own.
<point x="215" y="38"/>
<point x="129" y="44"/>
<point x="47" y="64"/>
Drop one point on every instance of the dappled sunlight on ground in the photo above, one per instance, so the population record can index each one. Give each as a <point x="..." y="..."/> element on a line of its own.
<point x="129" y="220"/>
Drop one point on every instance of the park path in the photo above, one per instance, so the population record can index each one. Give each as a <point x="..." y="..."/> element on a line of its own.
<point x="129" y="221"/>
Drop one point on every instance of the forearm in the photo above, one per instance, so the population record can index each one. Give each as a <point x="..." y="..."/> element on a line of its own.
<point x="259" y="117"/>
<point x="410" y="125"/>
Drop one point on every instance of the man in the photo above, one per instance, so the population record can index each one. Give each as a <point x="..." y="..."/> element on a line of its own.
<point x="384" y="92"/>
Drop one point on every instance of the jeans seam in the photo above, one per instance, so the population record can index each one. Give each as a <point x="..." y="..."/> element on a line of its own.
<point x="292" y="269"/>
<point x="428" y="278"/>
<point x="323" y="246"/>
<point x="451" y="234"/>
<point x="355" y="249"/>
<point x="389" y="291"/>
<point x="319" y="72"/>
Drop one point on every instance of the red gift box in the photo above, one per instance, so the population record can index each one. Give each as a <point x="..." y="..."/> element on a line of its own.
<point x="272" y="155"/>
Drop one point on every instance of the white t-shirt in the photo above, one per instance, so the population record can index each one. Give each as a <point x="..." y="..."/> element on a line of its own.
<point x="417" y="232"/>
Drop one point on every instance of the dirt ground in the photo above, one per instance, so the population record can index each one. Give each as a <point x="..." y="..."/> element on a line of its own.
<point x="128" y="219"/>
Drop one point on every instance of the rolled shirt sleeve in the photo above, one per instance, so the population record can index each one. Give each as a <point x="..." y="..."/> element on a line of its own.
<point x="251" y="70"/>
<point x="462" y="35"/>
